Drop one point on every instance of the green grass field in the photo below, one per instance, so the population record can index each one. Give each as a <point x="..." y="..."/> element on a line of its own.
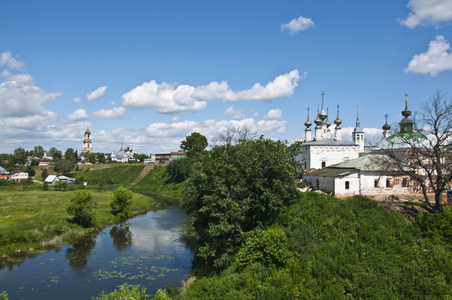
<point x="32" y="219"/>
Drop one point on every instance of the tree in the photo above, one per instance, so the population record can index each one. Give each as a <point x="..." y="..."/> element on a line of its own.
<point x="234" y="135"/>
<point x="234" y="189"/>
<point x="81" y="207"/>
<point x="70" y="155"/>
<point x="101" y="158"/>
<point x="30" y="170"/>
<point x="44" y="173"/>
<point x="38" y="151"/>
<point x="64" y="166"/>
<point x="427" y="159"/>
<point x="20" y="155"/>
<point x="55" y="153"/>
<point x="92" y="158"/>
<point x="194" y="143"/>
<point x="122" y="201"/>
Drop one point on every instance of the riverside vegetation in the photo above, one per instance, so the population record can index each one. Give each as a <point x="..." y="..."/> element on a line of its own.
<point x="261" y="240"/>
<point x="256" y="237"/>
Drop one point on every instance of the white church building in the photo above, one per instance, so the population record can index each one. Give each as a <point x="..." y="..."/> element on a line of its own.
<point x="323" y="149"/>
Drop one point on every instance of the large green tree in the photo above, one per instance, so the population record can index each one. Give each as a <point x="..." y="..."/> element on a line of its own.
<point x="235" y="188"/>
<point x="122" y="201"/>
<point x="194" y="143"/>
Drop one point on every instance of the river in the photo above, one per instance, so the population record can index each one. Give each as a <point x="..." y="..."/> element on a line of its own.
<point x="148" y="250"/>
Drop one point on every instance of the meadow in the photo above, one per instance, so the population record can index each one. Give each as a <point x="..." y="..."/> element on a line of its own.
<point x="31" y="219"/>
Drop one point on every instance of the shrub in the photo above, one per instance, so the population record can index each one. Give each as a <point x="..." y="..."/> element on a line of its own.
<point x="81" y="208"/>
<point x="125" y="291"/>
<point x="122" y="200"/>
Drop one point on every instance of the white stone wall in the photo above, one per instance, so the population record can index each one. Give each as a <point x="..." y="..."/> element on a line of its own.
<point x="315" y="155"/>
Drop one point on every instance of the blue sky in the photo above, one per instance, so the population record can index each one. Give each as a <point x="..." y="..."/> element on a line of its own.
<point x="148" y="73"/>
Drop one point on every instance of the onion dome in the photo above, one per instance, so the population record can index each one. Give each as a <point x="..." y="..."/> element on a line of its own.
<point x="406" y="113"/>
<point x="337" y="121"/>
<point x="318" y="121"/>
<point x="323" y="114"/>
<point x="328" y="123"/>
<point x="358" y="125"/>
<point x="308" y="123"/>
<point x="386" y="125"/>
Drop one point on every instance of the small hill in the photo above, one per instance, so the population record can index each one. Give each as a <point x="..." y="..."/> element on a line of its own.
<point x="119" y="174"/>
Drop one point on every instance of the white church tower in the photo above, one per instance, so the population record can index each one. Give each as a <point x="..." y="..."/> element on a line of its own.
<point x="358" y="133"/>
<point x="337" y="130"/>
<point x="87" y="149"/>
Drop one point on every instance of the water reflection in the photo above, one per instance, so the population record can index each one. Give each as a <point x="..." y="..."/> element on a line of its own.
<point x="79" y="252"/>
<point x="121" y="236"/>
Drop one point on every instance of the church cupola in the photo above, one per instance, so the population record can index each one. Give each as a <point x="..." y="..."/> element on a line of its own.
<point x="406" y="125"/>
<point x="318" y="128"/>
<point x="386" y="128"/>
<point x="337" y="130"/>
<point x="358" y="133"/>
<point x="308" y="133"/>
<point x="87" y="148"/>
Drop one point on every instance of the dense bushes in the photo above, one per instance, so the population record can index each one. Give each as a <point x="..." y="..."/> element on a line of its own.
<point x="335" y="249"/>
<point x="234" y="189"/>
<point x="82" y="208"/>
<point x="122" y="201"/>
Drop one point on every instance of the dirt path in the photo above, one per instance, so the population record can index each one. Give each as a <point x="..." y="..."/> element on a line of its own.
<point x="143" y="173"/>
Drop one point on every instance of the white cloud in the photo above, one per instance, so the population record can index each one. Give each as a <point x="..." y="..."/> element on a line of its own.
<point x="116" y="112"/>
<point x="96" y="94"/>
<point x="175" y="119"/>
<point x="24" y="79"/>
<point x="112" y="103"/>
<point x="273" y="114"/>
<point x="234" y="114"/>
<point x="167" y="98"/>
<point x="28" y="122"/>
<point x="19" y="98"/>
<point x="7" y="60"/>
<point x="435" y="60"/>
<point x="298" y="24"/>
<point x="79" y="114"/>
<point x="77" y="100"/>
<point x="428" y="12"/>
<point x="6" y="73"/>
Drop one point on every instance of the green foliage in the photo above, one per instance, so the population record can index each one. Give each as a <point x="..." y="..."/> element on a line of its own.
<point x="44" y="173"/>
<point x="126" y="292"/>
<point x="30" y="170"/>
<point x="122" y="201"/>
<point x="64" y="166"/>
<point x="158" y="180"/>
<point x="45" y="186"/>
<point x="269" y="247"/>
<point x="437" y="226"/>
<point x="234" y="189"/>
<point x="3" y="296"/>
<point x="121" y="174"/>
<point x="92" y="158"/>
<point x="81" y="208"/>
<point x="336" y="249"/>
<point x="55" y="153"/>
<point x="61" y="186"/>
<point x="194" y="143"/>
<point x="179" y="170"/>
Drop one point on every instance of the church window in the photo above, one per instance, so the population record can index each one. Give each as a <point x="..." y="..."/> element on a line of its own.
<point x="318" y="185"/>
<point x="405" y="182"/>
<point x="376" y="183"/>
<point x="323" y="164"/>
<point x="305" y="165"/>
<point x="347" y="185"/>
<point x="388" y="183"/>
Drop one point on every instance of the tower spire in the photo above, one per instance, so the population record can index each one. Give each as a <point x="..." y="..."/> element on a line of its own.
<point x="406" y="125"/>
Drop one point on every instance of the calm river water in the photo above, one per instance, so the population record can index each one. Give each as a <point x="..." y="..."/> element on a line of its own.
<point x="148" y="250"/>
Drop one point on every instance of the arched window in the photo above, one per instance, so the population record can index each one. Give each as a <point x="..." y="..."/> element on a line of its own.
<point x="323" y="164"/>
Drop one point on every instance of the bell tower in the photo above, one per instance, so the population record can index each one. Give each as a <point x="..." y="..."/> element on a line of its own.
<point x="87" y="147"/>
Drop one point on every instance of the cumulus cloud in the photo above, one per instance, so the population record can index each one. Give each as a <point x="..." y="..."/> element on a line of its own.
<point x="437" y="58"/>
<point x="298" y="24"/>
<point x="273" y="114"/>
<point x="77" y="100"/>
<point x="96" y="94"/>
<point x="28" y="122"/>
<point x="234" y="114"/>
<point x="20" y="98"/>
<point x="7" y="60"/>
<point x="428" y="12"/>
<point x="79" y="114"/>
<point x="116" y="112"/>
<point x="168" y="98"/>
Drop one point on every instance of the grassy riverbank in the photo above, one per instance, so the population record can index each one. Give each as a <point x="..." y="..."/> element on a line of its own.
<point x="32" y="219"/>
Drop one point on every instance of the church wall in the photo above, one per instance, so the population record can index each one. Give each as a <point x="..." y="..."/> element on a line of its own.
<point x="340" y="185"/>
<point x="315" y="155"/>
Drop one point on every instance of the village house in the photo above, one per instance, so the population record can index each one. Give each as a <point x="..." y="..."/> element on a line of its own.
<point x="19" y="176"/>
<point x="51" y="180"/>
<point x="4" y="174"/>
